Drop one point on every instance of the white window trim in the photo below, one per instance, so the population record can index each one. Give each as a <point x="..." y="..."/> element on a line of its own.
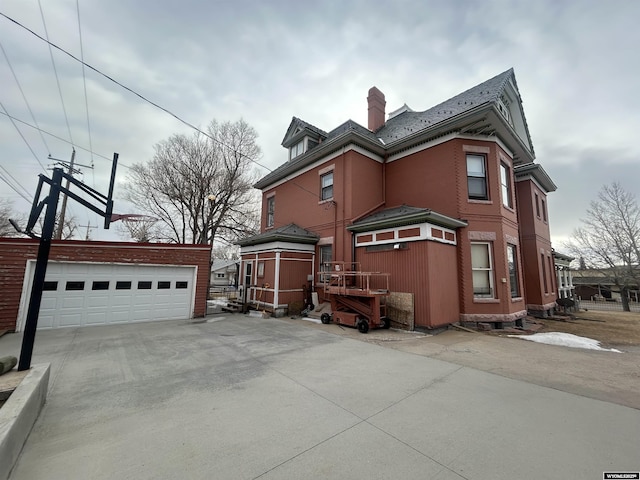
<point x="321" y="176"/>
<point x="489" y="269"/>
<point x="271" y="215"/>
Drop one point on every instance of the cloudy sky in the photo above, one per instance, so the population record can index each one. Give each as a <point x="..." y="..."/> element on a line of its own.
<point x="576" y="63"/>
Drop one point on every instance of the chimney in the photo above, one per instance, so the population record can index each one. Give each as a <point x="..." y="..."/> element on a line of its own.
<point x="376" y="108"/>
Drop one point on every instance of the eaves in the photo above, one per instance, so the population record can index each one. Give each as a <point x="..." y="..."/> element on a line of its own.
<point x="411" y="219"/>
<point x="325" y="148"/>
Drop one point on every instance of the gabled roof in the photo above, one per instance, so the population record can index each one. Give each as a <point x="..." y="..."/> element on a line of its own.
<point x="487" y="93"/>
<point x="297" y="129"/>
<point x="403" y="215"/>
<point x="475" y="111"/>
<point x="289" y="233"/>
<point x="348" y="131"/>
<point x="222" y="263"/>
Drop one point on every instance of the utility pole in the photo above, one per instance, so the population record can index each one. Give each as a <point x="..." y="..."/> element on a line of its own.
<point x="63" y="209"/>
<point x="89" y="226"/>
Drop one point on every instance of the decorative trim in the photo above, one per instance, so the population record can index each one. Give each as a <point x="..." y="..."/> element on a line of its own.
<point x="323" y="160"/>
<point x="278" y="246"/>
<point x="476" y="149"/>
<point x="327" y="169"/>
<point x="511" y="239"/>
<point x="325" y="241"/>
<point x="482" y="236"/>
<point x="413" y="233"/>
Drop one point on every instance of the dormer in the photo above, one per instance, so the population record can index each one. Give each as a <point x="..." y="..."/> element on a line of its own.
<point x="302" y="137"/>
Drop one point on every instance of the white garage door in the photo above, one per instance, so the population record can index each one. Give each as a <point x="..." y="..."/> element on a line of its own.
<point x="79" y="294"/>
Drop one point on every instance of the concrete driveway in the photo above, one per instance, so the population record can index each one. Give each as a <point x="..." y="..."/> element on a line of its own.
<point x="242" y="397"/>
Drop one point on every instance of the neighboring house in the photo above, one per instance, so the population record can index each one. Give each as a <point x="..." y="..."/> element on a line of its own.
<point x="564" y="276"/>
<point x="98" y="283"/>
<point x="224" y="273"/>
<point x="448" y="201"/>
<point x="596" y="284"/>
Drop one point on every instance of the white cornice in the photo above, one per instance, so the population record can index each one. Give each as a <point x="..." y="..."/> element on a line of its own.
<point x="446" y="138"/>
<point x="278" y="247"/>
<point x="328" y="158"/>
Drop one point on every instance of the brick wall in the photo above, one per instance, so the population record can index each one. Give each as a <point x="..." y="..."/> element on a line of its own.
<point x="15" y="252"/>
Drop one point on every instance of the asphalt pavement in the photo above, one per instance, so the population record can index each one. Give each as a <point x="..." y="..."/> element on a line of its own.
<point x="243" y="397"/>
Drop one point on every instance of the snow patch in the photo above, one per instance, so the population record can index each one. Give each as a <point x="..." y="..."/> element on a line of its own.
<point x="565" y="340"/>
<point x="309" y="319"/>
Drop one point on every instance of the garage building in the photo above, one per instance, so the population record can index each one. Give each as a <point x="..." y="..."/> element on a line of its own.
<point x="99" y="283"/>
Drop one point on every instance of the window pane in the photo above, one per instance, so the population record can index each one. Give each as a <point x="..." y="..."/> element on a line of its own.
<point x="481" y="284"/>
<point x="327" y="179"/>
<point x="74" y="286"/>
<point x="123" y="285"/>
<point x="144" y="285"/>
<point x="50" y="286"/>
<point x="100" y="286"/>
<point x="479" y="255"/>
<point x="477" y="187"/>
<point x="512" y="259"/>
<point x="475" y="165"/>
<point x="181" y="284"/>
<point x="164" y="285"/>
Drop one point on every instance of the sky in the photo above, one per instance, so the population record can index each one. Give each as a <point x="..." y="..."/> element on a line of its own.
<point x="576" y="65"/>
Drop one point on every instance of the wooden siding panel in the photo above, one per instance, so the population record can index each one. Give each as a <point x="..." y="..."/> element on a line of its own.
<point x="293" y="273"/>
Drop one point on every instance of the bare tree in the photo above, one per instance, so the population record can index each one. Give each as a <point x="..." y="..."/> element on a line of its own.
<point x="200" y="187"/>
<point x="609" y="241"/>
<point x="7" y="212"/>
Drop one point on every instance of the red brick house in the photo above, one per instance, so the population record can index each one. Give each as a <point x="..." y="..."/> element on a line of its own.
<point x="448" y="201"/>
<point x="96" y="283"/>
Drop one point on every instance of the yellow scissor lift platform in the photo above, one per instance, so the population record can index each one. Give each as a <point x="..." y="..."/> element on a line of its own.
<point x="358" y="299"/>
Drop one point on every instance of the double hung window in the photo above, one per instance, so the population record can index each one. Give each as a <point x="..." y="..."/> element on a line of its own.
<point x="477" y="177"/>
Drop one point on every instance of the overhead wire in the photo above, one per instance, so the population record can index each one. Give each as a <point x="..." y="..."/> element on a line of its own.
<point x="24" y="193"/>
<point x="60" y="138"/>
<point x="23" y="137"/>
<point x="143" y="98"/>
<point x="24" y="97"/>
<point x="55" y="71"/>
<point x="84" y="82"/>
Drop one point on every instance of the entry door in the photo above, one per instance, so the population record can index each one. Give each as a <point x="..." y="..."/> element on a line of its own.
<point x="248" y="277"/>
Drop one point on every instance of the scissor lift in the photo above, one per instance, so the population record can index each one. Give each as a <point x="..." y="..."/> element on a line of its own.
<point x="358" y="299"/>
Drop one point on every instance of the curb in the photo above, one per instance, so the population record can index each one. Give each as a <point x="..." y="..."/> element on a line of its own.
<point x="18" y="415"/>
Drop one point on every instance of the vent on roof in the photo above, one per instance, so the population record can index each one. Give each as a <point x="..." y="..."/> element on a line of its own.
<point x="402" y="109"/>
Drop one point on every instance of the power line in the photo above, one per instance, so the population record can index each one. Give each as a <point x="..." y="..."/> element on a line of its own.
<point x="61" y="139"/>
<point x="143" y="98"/>
<point x="55" y="71"/>
<point x="13" y="187"/>
<point x="23" y="95"/>
<point x="84" y="82"/>
<point x="23" y="138"/>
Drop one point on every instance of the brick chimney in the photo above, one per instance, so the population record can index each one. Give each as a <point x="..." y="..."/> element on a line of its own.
<point x="376" y="103"/>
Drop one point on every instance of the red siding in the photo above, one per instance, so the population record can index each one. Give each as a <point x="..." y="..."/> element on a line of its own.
<point x="15" y="252"/>
<point x="426" y="269"/>
<point x="409" y="232"/>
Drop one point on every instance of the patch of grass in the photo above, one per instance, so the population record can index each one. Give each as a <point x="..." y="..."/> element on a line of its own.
<point x="609" y="328"/>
